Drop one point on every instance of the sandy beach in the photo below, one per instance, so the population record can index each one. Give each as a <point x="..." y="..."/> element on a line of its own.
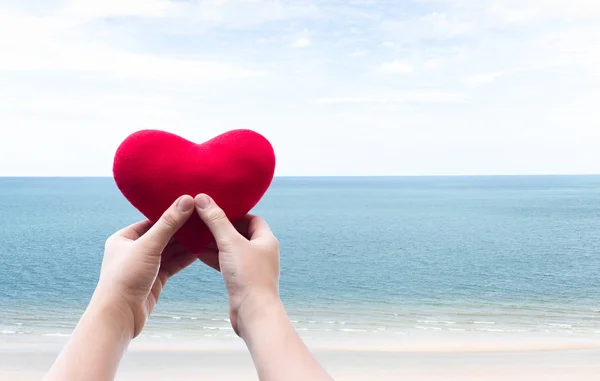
<point x="429" y="361"/>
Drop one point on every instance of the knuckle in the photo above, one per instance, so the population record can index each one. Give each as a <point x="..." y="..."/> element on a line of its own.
<point x="230" y="243"/>
<point x="169" y="220"/>
<point x="216" y="215"/>
<point x="274" y="243"/>
<point x="109" y="242"/>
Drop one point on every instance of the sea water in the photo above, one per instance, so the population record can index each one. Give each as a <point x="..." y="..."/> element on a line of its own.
<point x="376" y="257"/>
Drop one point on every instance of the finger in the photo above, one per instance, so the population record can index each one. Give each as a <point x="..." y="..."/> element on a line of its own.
<point x="134" y="231"/>
<point x="215" y="219"/>
<point x="173" y="249"/>
<point x="242" y="224"/>
<point x="159" y="235"/>
<point x="258" y="228"/>
<point x="177" y="263"/>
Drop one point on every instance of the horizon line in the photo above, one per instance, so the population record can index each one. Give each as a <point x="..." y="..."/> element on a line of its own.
<point x="327" y="176"/>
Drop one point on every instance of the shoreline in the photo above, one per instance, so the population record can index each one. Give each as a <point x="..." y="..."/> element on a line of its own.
<point x="493" y="346"/>
<point x="417" y="345"/>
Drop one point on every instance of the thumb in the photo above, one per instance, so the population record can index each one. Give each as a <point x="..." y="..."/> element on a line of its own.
<point x="217" y="222"/>
<point x="158" y="236"/>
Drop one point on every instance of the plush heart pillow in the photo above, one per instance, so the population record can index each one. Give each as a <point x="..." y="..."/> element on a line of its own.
<point x="153" y="168"/>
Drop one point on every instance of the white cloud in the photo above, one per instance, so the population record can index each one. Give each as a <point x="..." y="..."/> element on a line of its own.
<point x="521" y="11"/>
<point x="438" y="60"/>
<point x="430" y="26"/>
<point x="416" y="96"/>
<point x="483" y="79"/>
<point x="35" y="44"/>
<point x="358" y="53"/>
<point x="433" y="63"/>
<point x="303" y="41"/>
<point x="442" y="25"/>
<point x="91" y="9"/>
<point x="396" y="67"/>
<point x="125" y="65"/>
<point x="578" y="45"/>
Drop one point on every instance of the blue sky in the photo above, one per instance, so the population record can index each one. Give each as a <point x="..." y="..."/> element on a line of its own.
<point x="423" y="87"/>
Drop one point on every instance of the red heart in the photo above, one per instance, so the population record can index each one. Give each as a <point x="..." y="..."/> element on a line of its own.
<point x="153" y="168"/>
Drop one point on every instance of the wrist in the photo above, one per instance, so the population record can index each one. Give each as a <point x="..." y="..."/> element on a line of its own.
<point x="258" y="309"/>
<point x="113" y="313"/>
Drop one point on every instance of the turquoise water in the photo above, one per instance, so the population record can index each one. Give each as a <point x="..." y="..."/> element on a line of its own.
<point x="360" y="256"/>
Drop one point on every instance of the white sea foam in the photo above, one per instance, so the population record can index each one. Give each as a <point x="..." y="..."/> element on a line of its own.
<point x="218" y="328"/>
<point x="7" y="332"/>
<point x="500" y="330"/>
<point x="482" y="322"/>
<point x="56" y="334"/>
<point x="436" y="322"/>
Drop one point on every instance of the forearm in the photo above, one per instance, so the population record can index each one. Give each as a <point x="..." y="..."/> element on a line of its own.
<point x="96" y="346"/>
<point x="277" y="350"/>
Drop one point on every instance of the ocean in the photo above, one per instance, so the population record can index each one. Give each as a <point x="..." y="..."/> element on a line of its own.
<point x="362" y="258"/>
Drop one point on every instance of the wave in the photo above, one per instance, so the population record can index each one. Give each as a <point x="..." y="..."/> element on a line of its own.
<point x="436" y="322"/>
<point x="429" y="328"/>
<point x="318" y="322"/>
<point x="218" y="328"/>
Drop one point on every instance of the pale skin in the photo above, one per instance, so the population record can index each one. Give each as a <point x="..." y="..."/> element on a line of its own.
<point x="137" y="263"/>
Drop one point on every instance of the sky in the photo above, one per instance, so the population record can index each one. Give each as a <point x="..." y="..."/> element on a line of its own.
<point x="339" y="87"/>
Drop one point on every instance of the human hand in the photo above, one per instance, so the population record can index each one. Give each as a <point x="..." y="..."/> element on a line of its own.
<point x="138" y="261"/>
<point x="248" y="260"/>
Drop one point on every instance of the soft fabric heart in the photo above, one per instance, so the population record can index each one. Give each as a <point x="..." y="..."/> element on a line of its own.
<point x="153" y="168"/>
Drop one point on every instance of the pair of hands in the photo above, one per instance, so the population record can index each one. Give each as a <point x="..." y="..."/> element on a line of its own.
<point x="140" y="258"/>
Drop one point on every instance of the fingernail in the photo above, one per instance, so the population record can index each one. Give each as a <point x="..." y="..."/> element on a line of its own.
<point x="202" y="201"/>
<point x="185" y="204"/>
